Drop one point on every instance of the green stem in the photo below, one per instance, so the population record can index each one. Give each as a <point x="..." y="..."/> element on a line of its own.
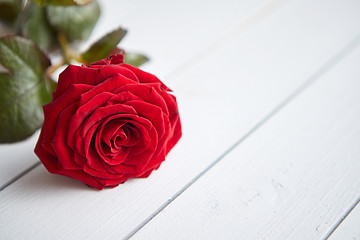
<point x="53" y="68"/>
<point x="66" y="50"/>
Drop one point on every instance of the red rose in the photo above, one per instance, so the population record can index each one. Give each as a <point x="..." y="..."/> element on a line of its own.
<point x="108" y="122"/>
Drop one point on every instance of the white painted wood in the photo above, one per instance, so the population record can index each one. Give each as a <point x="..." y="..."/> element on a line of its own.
<point x="174" y="32"/>
<point x="169" y="44"/>
<point x="221" y="97"/>
<point x="15" y="158"/>
<point x="349" y="228"/>
<point x="292" y="179"/>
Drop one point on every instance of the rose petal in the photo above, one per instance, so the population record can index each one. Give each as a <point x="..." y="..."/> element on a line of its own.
<point x="122" y="97"/>
<point x="133" y="137"/>
<point x="82" y="113"/>
<point x="115" y="182"/>
<point x="108" y="71"/>
<point x="114" y="156"/>
<point x="82" y="176"/>
<point x="145" y="77"/>
<point x="109" y="85"/>
<point x="97" y="116"/>
<point x="146" y="93"/>
<point x="141" y="152"/>
<point x="158" y="119"/>
<point x="74" y="75"/>
<point x="94" y="161"/>
<point x="64" y="153"/>
<point x="110" y="129"/>
<point x="52" y="110"/>
<point x="151" y="112"/>
<point x="48" y="159"/>
<point x="175" y="134"/>
<point x="168" y="98"/>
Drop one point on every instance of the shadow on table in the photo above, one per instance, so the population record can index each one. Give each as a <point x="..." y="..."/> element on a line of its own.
<point x="40" y="178"/>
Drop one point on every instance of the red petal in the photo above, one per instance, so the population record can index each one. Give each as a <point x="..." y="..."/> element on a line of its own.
<point x="145" y="77"/>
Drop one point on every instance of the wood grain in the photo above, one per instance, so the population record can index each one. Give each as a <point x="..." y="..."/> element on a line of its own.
<point x="349" y="227"/>
<point x="16" y="158"/>
<point x="168" y="43"/>
<point x="172" y="33"/>
<point x="292" y="179"/>
<point x="222" y="96"/>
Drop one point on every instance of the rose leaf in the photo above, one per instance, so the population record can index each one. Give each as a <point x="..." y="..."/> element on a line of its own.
<point x="103" y="46"/>
<point x="75" y="22"/>
<point x="36" y="26"/>
<point x="9" y="10"/>
<point x="62" y="2"/>
<point x="135" y="59"/>
<point x="23" y="88"/>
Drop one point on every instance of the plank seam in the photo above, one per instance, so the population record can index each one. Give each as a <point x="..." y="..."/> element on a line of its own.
<point x="341" y="219"/>
<point x="315" y="76"/>
<point x="248" y="22"/>
<point x="20" y="175"/>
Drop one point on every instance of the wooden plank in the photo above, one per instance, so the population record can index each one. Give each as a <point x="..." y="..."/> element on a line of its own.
<point x="174" y="32"/>
<point x="349" y="227"/>
<point x="221" y="98"/>
<point x="292" y="179"/>
<point x="145" y="20"/>
<point x="15" y="158"/>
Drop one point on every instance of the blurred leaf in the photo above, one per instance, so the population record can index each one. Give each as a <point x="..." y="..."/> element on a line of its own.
<point x="9" y="9"/>
<point x="62" y="2"/>
<point x="103" y="46"/>
<point x="36" y="26"/>
<point x="23" y="88"/>
<point x="50" y="85"/>
<point x="135" y="59"/>
<point x="75" y="22"/>
<point x="117" y="50"/>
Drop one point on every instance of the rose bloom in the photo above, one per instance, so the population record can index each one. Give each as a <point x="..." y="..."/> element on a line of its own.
<point x="108" y="122"/>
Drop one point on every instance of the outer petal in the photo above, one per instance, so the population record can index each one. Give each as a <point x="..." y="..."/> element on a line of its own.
<point x="147" y="93"/>
<point x="110" y="85"/>
<point x="107" y="71"/>
<point x="145" y="77"/>
<point x="74" y="75"/>
<point x="168" y="98"/>
<point x="53" y="109"/>
<point x="63" y="152"/>
<point x="82" y="176"/>
<point x="175" y="134"/>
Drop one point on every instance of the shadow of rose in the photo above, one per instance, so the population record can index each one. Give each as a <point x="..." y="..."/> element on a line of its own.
<point x="40" y="178"/>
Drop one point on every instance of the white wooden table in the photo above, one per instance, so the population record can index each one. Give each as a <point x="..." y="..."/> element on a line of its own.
<point x="269" y="97"/>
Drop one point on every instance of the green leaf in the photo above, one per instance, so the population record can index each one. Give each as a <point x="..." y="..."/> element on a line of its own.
<point x="103" y="46"/>
<point x="36" y="26"/>
<point x="23" y="88"/>
<point x="135" y="59"/>
<point x="9" y="9"/>
<point x="62" y="2"/>
<point x="75" y="22"/>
